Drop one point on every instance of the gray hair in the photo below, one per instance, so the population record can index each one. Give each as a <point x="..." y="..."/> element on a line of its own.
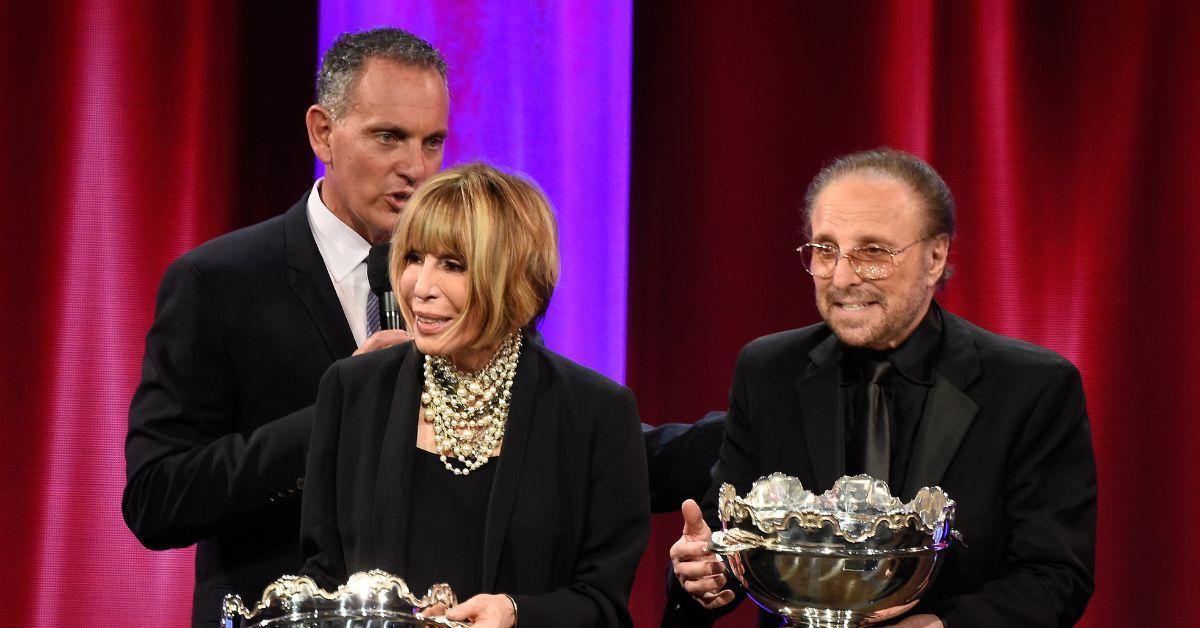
<point x="921" y="177"/>
<point x="345" y="58"/>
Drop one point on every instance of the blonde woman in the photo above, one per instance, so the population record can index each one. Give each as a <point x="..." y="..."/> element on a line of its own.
<point x="472" y="455"/>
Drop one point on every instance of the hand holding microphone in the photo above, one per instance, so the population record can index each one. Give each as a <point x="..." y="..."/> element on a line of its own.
<point x="391" y="323"/>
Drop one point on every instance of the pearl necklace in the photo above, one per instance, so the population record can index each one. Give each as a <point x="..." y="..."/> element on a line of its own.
<point x="469" y="411"/>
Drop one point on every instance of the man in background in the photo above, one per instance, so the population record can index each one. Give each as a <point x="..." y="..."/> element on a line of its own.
<point x="892" y="385"/>
<point x="246" y="324"/>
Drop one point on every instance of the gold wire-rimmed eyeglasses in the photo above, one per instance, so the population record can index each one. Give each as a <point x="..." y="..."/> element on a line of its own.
<point x="871" y="261"/>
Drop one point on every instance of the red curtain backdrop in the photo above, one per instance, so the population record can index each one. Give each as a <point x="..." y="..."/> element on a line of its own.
<point x="132" y="132"/>
<point x="1069" y="134"/>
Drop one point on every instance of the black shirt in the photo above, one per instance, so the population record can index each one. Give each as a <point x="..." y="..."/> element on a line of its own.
<point x="445" y="534"/>
<point x="905" y="390"/>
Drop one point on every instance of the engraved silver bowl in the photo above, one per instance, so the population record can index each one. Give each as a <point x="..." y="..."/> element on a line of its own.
<point x="835" y="559"/>
<point x="369" y="599"/>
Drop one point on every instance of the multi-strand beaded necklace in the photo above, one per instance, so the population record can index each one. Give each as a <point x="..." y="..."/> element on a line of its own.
<point x="469" y="411"/>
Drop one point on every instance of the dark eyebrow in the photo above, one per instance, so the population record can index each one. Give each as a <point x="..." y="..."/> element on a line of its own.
<point x="389" y="128"/>
<point x="875" y="239"/>
<point x="402" y="132"/>
<point x="867" y="240"/>
<point x="817" y="237"/>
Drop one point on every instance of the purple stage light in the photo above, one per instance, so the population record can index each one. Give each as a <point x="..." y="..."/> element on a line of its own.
<point x="542" y="88"/>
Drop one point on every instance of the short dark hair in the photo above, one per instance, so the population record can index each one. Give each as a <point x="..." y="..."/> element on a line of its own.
<point x="908" y="168"/>
<point x="344" y="59"/>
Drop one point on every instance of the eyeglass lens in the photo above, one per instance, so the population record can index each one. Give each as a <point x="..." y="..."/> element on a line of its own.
<point x="870" y="262"/>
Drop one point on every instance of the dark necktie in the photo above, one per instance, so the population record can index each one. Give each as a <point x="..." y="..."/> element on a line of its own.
<point x="372" y="313"/>
<point x="877" y="442"/>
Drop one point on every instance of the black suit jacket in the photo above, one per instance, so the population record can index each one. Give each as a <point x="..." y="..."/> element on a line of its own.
<point x="568" y="516"/>
<point x="1004" y="432"/>
<point x="218" y="428"/>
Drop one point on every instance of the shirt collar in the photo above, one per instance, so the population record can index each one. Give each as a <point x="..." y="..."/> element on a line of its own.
<point x="341" y="247"/>
<point x="914" y="359"/>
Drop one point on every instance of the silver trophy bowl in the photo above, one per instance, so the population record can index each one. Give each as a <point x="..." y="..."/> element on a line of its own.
<point x="835" y="559"/>
<point x="369" y="599"/>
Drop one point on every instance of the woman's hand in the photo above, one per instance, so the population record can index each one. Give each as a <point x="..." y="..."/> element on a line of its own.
<point x="483" y="611"/>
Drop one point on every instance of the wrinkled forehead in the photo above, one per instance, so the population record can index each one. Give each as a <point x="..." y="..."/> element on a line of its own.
<point x="865" y="207"/>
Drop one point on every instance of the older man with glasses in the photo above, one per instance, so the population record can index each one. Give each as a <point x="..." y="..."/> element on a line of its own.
<point x="892" y="385"/>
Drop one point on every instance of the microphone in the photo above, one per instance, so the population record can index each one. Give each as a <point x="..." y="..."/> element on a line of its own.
<point x="381" y="285"/>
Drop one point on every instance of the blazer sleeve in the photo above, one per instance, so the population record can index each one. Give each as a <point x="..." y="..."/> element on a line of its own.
<point x="680" y="458"/>
<point x="320" y="540"/>
<point x="1050" y="512"/>
<point x="617" y="527"/>
<point x="735" y="465"/>
<point x="189" y="471"/>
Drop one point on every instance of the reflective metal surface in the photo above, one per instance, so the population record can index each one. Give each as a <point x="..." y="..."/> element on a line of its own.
<point x="832" y="559"/>
<point x="369" y="599"/>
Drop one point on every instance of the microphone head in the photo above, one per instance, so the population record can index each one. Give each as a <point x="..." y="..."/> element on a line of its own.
<point x="377" y="268"/>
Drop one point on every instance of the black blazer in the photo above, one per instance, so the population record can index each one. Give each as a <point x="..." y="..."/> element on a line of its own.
<point x="218" y="428"/>
<point x="681" y="457"/>
<point x="568" y="517"/>
<point x="1005" y="433"/>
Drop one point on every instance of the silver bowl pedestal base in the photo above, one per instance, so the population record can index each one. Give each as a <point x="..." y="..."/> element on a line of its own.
<point x="815" y="618"/>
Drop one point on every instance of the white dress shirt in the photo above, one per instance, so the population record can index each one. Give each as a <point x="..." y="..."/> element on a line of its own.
<point x="345" y="255"/>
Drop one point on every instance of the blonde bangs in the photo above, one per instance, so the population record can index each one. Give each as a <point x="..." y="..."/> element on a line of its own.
<point x="502" y="227"/>
<point x="435" y="223"/>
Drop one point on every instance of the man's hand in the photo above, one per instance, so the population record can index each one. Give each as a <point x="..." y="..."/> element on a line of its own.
<point x="483" y="611"/>
<point x="699" y="571"/>
<point x="383" y="339"/>
<point x="920" y="621"/>
<point x="878" y="617"/>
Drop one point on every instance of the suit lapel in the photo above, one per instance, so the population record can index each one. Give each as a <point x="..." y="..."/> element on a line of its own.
<point x="394" y="475"/>
<point x="310" y="280"/>
<point x="947" y="417"/>
<point x="949" y="412"/>
<point x="512" y="458"/>
<point x="819" y="393"/>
